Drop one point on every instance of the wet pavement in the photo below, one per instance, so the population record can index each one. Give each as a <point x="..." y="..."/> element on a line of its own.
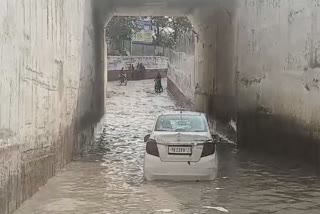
<point x="108" y="179"/>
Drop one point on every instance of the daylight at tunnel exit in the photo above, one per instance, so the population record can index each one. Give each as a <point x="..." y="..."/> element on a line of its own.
<point x="160" y="106"/>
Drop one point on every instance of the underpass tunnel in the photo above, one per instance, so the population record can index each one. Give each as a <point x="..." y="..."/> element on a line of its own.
<point x="257" y="62"/>
<point x="214" y="78"/>
<point x="235" y="72"/>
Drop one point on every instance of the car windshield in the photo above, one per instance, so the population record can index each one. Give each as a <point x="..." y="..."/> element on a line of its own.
<point x="181" y="123"/>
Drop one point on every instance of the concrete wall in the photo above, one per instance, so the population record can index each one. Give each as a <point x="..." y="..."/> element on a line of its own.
<point x="278" y="46"/>
<point x="214" y="29"/>
<point x="152" y="64"/>
<point x="136" y="75"/>
<point x="182" y="69"/>
<point x="49" y="101"/>
<point x="259" y="61"/>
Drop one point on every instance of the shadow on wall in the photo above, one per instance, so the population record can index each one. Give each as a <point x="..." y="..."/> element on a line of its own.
<point x="91" y="100"/>
<point x="179" y="96"/>
<point x="27" y="165"/>
<point x="278" y="135"/>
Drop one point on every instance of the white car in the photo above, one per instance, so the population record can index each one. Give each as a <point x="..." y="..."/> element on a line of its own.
<point x="181" y="148"/>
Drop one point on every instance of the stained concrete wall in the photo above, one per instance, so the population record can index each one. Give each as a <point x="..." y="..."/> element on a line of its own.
<point x="259" y="61"/>
<point x="278" y="45"/>
<point x="49" y="90"/>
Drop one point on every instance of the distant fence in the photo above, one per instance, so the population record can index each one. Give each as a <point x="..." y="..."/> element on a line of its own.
<point x="138" y="49"/>
<point x="143" y="49"/>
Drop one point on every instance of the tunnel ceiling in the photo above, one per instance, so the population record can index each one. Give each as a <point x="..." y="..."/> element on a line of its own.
<point x="158" y="7"/>
<point x="108" y="8"/>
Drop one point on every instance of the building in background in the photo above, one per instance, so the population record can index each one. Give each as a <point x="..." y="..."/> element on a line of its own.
<point x="142" y="43"/>
<point x="145" y="33"/>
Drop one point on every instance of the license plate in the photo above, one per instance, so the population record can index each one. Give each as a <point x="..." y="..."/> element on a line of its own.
<point x="180" y="150"/>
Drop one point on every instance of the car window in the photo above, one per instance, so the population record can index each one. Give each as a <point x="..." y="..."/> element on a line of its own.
<point x="181" y="123"/>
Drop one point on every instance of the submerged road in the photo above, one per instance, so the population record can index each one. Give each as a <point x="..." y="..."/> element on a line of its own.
<point x="108" y="178"/>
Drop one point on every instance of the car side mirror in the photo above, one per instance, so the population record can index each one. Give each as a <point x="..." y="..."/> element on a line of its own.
<point x="216" y="138"/>
<point x="146" y="138"/>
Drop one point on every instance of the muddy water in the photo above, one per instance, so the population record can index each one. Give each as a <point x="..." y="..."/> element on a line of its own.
<point x="109" y="177"/>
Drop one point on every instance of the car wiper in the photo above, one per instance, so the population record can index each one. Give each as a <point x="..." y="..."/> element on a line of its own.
<point x="180" y="130"/>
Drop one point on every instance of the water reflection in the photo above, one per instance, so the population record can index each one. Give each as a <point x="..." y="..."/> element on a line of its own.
<point x="246" y="183"/>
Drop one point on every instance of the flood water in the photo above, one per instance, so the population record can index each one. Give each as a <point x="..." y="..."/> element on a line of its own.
<point x="108" y="179"/>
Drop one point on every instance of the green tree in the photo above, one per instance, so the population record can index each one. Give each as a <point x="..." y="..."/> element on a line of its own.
<point x="180" y="25"/>
<point x="159" y="23"/>
<point x="169" y="29"/>
<point x="119" y="28"/>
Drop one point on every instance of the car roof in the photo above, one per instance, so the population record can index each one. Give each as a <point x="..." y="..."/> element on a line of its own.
<point x="182" y="112"/>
